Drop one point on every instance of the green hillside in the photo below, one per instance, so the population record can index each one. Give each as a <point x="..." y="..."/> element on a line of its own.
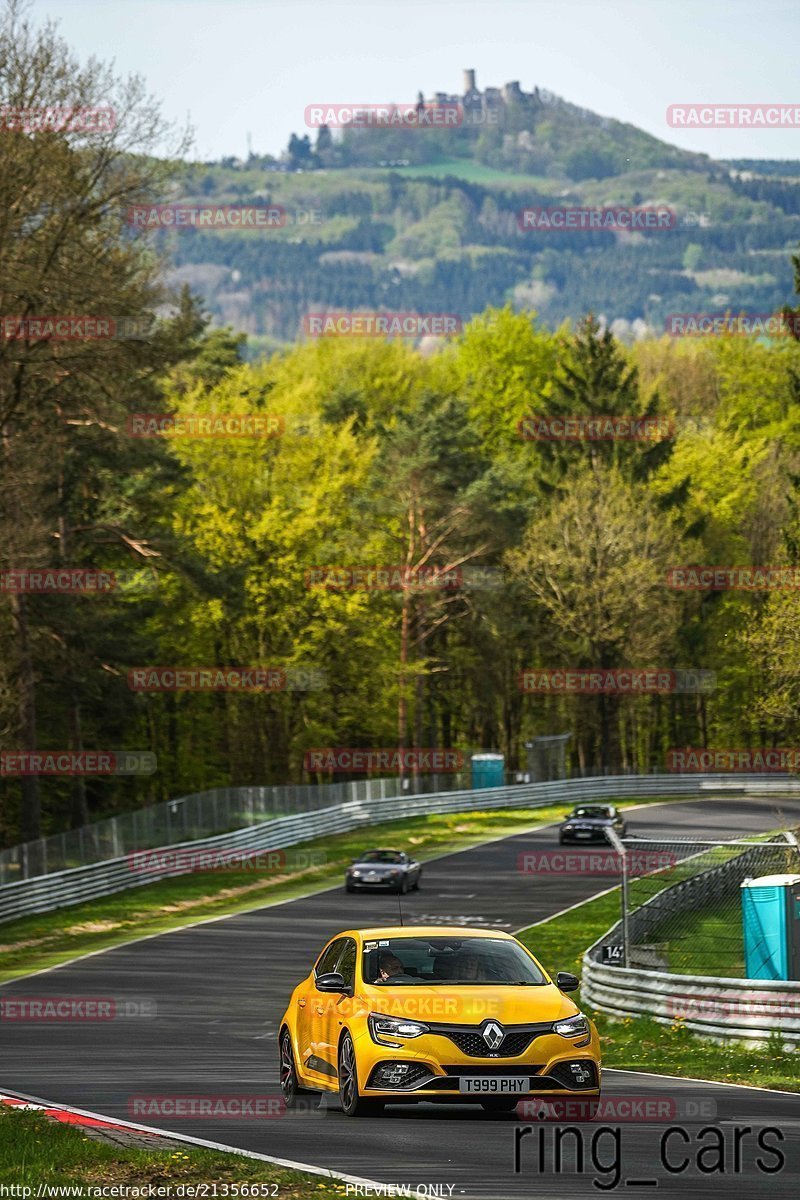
<point x="435" y="228"/>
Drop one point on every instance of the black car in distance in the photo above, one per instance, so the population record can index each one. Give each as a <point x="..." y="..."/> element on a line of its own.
<point x="590" y="823"/>
<point x="383" y="870"/>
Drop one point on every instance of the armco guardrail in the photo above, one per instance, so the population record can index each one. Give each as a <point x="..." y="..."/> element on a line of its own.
<point x="189" y="818"/>
<point x="47" y="892"/>
<point x="726" y="1009"/>
<point x="717" y="1007"/>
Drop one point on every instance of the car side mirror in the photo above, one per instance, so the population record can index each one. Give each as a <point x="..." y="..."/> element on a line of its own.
<point x="330" y="981"/>
<point x="567" y="982"/>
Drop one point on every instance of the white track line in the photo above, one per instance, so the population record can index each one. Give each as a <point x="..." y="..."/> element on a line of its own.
<point x="751" y="1087"/>
<point x="288" y="1163"/>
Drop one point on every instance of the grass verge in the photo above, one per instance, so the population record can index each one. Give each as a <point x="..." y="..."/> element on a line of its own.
<point x="640" y="1043"/>
<point x="709" y="941"/>
<point x="36" y="1151"/>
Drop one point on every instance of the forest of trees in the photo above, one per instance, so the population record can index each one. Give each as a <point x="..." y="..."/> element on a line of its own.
<point x="389" y="454"/>
<point x="390" y="457"/>
<point x="454" y="245"/>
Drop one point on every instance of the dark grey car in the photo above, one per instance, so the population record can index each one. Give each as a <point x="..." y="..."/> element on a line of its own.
<point x="383" y="870"/>
<point x="590" y="822"/>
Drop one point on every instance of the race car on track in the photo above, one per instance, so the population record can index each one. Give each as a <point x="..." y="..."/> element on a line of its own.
<point x="383" y="870"/>
<point x="590" y="823"/>
<point x="435" y="1013"/>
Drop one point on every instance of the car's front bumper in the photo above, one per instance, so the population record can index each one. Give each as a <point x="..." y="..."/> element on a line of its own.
<point x="375" y="884"/>
<point x="434" y="1067"/>
<point x="592" y="835"/>
<point x="424" y="1084"/>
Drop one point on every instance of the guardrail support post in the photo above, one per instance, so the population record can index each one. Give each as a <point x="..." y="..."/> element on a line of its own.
<point x="625" y="937"/>
<point x="619" y="846"/>
<point x="792" y="840"/>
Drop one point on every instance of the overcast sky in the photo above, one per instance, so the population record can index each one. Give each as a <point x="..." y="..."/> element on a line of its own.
<point x="234" y="67"/>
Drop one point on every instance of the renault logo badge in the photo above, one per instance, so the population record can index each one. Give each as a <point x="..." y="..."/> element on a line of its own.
<point x="493" y="1034"/>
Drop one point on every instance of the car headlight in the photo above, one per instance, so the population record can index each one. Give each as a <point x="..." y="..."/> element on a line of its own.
<point x="382" y="1029"/>
<point x="568" y="825"/>
<point x="572" y="1027"/>
<point x="354" y="873"/>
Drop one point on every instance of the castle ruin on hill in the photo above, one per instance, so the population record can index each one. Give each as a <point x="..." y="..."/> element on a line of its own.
<point x="490" y="101"/>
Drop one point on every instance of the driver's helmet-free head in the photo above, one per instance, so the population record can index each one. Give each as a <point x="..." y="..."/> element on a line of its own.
<point x="389" y="963"/>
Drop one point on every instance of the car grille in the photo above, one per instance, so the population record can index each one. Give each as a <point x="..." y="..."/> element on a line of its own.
<point x="470" y="1040"/>
<point x="474" y="1045"/>
<point x="459" y="1069"/>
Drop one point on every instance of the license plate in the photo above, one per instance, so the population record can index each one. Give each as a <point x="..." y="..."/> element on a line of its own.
<point x="372" y="878"/>
<point x="493" y="1084"/>
<point x="583" y="833"/>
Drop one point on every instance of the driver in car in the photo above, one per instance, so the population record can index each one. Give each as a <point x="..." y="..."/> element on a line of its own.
<point x="390" y="967"/>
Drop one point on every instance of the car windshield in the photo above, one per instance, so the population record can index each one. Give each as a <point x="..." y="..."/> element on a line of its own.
<point x="592" y="811"/>
<point x="381" y="856"/>
<point x="447" y="962"/>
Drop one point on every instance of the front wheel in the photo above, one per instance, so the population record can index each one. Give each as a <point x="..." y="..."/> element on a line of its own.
<point x="290" y="1084"/>
<point x="402" y="887"/>
<point x="499" y="1104"/>
<point x="353" y="1103"/>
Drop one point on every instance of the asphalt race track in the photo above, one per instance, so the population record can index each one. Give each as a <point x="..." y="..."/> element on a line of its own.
<point x="220" y="989"/>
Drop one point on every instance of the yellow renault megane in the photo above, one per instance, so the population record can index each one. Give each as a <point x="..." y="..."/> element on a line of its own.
<point x="435" y="1013"/>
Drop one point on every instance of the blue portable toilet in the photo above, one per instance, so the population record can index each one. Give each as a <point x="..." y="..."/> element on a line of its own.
<point x="771" y="924"/>
<point x="488" y="770"/>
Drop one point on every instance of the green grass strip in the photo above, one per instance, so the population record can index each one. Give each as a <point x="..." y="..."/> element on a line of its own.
<point x="37" y="1151"/>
